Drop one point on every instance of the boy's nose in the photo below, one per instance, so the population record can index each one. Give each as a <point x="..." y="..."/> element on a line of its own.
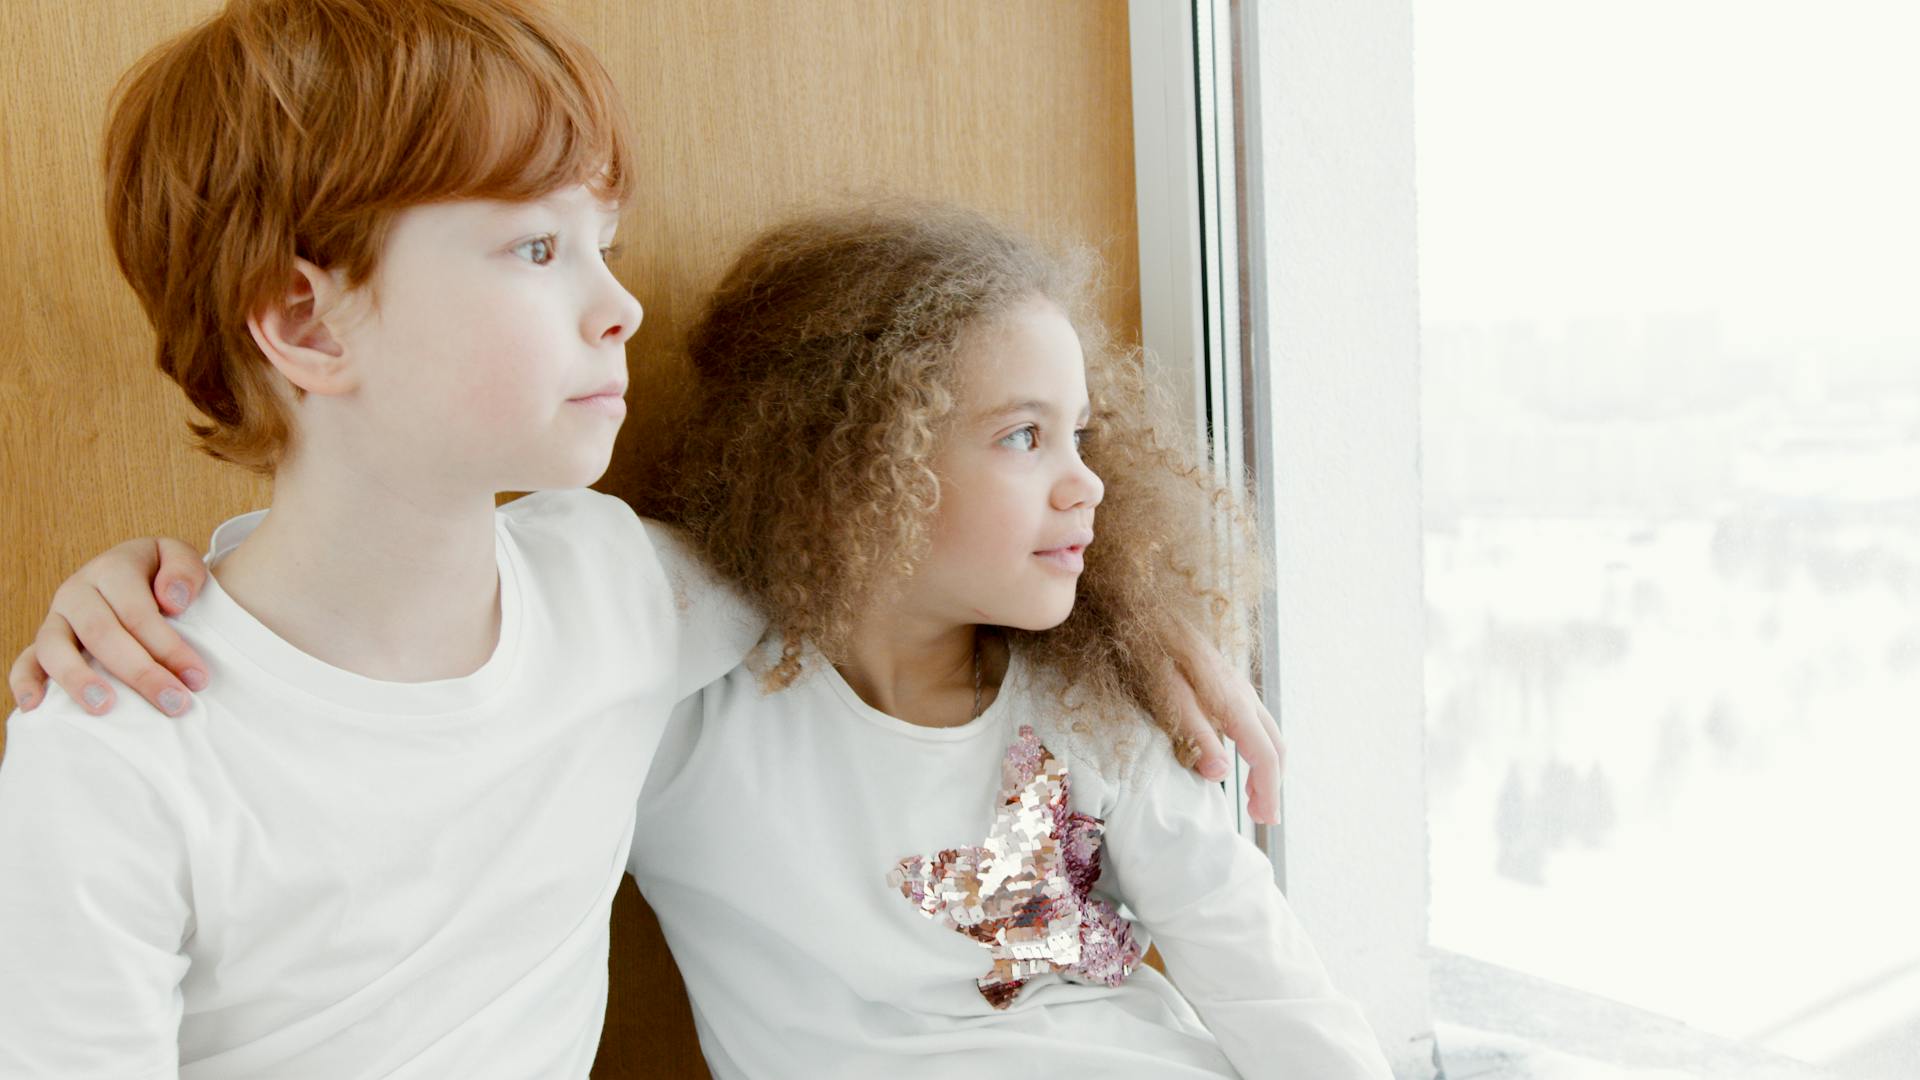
<point x="616" y="318"/>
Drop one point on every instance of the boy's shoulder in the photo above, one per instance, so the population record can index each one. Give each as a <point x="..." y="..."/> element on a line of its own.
<point x="581" y="518"/>
<point x="597" y="543"/>
<point x="578" y="512"/>
<point x="62" y="735"/>
<point x="582" y="534"/>
<point x="132" y="717"/>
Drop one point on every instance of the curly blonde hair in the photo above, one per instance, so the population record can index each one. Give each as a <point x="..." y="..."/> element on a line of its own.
<point x="826" y="364"/>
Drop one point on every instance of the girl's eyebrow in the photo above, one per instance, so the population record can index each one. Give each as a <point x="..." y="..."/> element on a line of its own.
<point x="1031" y="405"/>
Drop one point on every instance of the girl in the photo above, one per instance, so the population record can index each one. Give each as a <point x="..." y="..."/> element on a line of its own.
<point x="928" y="830"/>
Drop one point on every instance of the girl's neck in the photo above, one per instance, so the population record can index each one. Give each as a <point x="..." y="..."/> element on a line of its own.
<point x="923" y="672"/>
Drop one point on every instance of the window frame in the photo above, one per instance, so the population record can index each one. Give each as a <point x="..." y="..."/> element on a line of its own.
<point x="1274" y="170"/>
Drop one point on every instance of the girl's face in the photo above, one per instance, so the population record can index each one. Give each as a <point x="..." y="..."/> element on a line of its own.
<point x="1016" y="501"/>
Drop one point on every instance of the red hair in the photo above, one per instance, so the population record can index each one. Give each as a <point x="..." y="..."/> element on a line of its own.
<point x="284" y="128"/>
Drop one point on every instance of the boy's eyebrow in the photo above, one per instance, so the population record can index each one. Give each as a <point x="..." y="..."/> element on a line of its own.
<point x="554" y="201"/>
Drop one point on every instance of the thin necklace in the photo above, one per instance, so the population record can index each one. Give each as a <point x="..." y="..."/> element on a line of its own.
<point x="976" y="677"/>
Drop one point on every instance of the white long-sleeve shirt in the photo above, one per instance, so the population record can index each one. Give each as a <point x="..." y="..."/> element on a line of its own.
<point x="315" y="874"/>
<point x="764" y="838"/>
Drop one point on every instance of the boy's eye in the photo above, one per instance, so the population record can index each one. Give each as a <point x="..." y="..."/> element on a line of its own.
<point x="1020" y="438"/>
<point x="538" y="251"/>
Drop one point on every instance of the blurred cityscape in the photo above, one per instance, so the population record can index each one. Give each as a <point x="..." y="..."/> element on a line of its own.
<point x="1673" y="663"/>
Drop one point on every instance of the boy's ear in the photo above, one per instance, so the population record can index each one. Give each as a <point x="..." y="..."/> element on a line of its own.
<point x="291" y="330"/>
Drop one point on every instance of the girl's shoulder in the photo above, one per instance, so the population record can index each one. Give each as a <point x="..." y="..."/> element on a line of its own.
<point x="1112" y="749"/>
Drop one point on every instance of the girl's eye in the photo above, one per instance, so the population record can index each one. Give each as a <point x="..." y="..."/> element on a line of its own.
<point x="538" y="251"/>
<point x="1020" y="438"/>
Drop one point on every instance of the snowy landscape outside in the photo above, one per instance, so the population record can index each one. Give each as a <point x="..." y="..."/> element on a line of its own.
<point x="1670" y="275"/>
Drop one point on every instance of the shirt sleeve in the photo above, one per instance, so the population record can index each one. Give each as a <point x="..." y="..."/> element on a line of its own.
<point x="94" y="907"/>
<point x="718" y="627"/>
<point x="1231" y="944"/>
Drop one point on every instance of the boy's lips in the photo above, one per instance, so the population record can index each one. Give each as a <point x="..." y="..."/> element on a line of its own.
<point x="610" y="399"/>
<point x="1069" y="556"/>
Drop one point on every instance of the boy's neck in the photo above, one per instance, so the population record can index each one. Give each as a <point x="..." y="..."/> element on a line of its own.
<point x="372" y="580"/>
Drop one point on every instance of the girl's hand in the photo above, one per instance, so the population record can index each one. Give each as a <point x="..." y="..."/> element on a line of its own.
<point x="113" y="609"/>
<point x="1205" y="688"/>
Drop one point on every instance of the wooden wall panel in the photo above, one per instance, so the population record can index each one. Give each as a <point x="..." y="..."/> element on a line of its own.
<point x="746" y="109"/>
<point x="93" y="440"/>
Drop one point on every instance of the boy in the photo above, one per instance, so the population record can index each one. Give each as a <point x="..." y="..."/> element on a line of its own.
<point x="385" y="840"/>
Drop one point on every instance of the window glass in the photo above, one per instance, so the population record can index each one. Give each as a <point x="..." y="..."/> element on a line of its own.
<point x="1670" y="279"/>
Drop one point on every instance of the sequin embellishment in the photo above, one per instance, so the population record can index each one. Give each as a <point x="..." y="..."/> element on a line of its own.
<point x="1026" y="893"/>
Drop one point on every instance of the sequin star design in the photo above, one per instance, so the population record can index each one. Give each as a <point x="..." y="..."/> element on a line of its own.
<point x="1026" y="893"/>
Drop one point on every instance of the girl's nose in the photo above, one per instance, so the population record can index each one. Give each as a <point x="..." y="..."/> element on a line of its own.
<point x="1080" y="489"/>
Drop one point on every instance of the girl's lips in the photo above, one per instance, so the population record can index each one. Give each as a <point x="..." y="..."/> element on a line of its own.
<point x="1069" y="559"/>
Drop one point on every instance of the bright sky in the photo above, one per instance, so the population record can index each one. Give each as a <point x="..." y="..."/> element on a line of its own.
<point x="1755" y="158"/>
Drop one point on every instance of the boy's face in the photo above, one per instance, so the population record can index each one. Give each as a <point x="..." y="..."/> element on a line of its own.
<point x="490" y="346"/>
<point x="1016" y="502"/>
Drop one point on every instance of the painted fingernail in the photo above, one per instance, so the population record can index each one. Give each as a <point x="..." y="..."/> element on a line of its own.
<point x="1214" y="769"/>
<point x="172" y="701"/>
<point x="95" y="695"/>
<point x="195" y="679"/>
<point x="177" y="594"/>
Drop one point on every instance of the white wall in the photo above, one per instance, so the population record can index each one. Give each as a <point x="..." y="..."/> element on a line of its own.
<point x="1330" y="166"/>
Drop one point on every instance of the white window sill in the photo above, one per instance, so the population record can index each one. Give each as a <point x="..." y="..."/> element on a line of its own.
<point x="1494" y="1023"/>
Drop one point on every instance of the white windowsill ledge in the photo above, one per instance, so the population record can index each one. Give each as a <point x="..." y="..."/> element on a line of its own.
<point x="1494" y="1023"/>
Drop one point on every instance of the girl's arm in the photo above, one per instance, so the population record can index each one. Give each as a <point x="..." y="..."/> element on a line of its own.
<point x="1231" y="944"/>
<point x="114" y="608"/>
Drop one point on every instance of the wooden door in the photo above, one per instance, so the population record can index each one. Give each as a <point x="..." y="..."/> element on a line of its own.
<point x="745" y="109"/>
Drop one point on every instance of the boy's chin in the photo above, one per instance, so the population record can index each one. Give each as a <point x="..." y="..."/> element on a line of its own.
<point x="560" y="476"/>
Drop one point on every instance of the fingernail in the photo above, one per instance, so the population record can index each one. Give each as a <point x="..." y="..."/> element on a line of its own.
<point x="25" y="701"/>
<point x="195" y="679"/>
<point x="172" y="701"/>
<point x="1214" y="769"/>
<point x="177" y="594"/>
<point x="95" y="695"/>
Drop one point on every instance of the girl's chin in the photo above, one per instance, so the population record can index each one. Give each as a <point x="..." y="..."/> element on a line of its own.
<point x="1034" y="621"/>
